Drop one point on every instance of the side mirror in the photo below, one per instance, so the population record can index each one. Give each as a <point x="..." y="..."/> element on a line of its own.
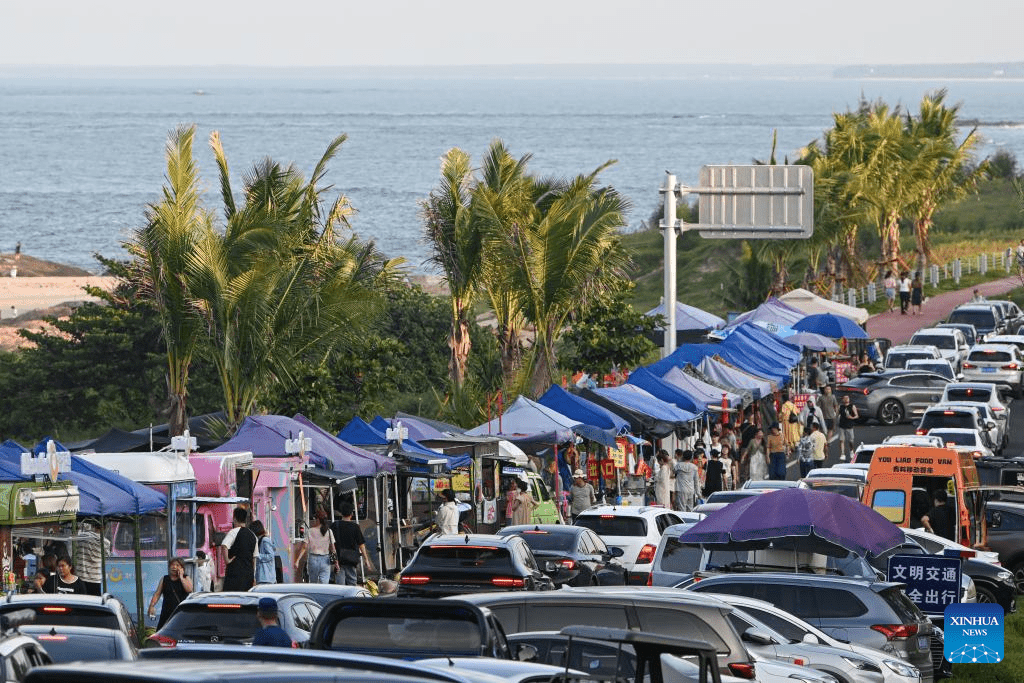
<point x="990" y="424"/>
<point x="615" y="551"/>
<point x="551" y="566"/>
<point x="757" y="636"/>
<point x="526" y="652"/>
<point x="811" y="639"/>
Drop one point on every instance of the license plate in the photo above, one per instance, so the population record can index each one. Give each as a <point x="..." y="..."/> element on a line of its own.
<point x="988" y="369"/>
<point x="922" y="642"/>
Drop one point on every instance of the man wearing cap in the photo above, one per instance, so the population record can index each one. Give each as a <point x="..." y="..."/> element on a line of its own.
<point x="581" y="494"/>
<point x="271" y="633"/>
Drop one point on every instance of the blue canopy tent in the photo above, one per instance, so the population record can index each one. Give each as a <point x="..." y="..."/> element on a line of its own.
<point x="727" y="374"/>
<point x="361" y="433"/>
<point x="646" y="413"/>
<point x="597" y="423"/>
<point x="265" y="436"/>
<point x="689" y="317"/>
<point x="772" y="315"/>
<point x="530" y="425"/>
<point x="710" y="396"/>
<point x="656" y="386"/>
<point x="784" y="349"/>
<point x="740" y="353"/>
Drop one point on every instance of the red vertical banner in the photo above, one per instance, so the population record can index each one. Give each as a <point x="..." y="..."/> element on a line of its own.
<point x="725" y="408"/>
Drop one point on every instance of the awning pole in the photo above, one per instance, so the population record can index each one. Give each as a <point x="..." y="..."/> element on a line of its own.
<point x="398" y="527"/>
<point x="138" y="584"/>
<point x="355" y="516"/>
<point x="103" y="554"/>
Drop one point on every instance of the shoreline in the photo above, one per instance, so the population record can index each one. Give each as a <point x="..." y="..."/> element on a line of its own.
<point x="20" y="295"/>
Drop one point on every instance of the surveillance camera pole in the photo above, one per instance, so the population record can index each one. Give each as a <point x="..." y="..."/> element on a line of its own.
<point x="668" y="226"/>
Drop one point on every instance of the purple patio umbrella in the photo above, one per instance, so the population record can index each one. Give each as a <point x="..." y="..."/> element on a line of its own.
<point x="801" y="519"/>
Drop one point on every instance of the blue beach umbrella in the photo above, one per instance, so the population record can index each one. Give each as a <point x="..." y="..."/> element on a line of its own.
<point x="810" y="340"/>
<point x="831" y="326"/>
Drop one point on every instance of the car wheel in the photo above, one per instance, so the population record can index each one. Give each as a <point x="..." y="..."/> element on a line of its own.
<point x="890" y="412"/>
<point x="1018" y="576"/>
<point x="985" y="595"/>
<point x="1019" y="391"/>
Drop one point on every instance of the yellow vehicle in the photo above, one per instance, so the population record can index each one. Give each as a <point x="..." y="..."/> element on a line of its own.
<point x="903" y="479"/>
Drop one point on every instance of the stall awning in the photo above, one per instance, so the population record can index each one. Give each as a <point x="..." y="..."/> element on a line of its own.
<point x="55" y="500"/>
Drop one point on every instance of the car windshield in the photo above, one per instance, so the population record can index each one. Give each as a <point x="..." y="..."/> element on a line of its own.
<point x="545" y="540"/>
<point x="611" y="525"/>
<point x="938" y="368"/>
<point x="395" y="633"/>
<point x="679" y="557"/>
<point x="947" y="418"/>
<point x="78" y="647"/>
<point x="969" y="395"/>
<point x="941" y="341"/>
<point x="463" y="556"/>
<point x="958" y="438"/>
<point x="231" y="621"/>
<point x="980" y="319"/>
<point x="728" y="496"/>
<point x="55" y="614"/>
<point x="898" y="359"/>
<point x="990" y="356"/>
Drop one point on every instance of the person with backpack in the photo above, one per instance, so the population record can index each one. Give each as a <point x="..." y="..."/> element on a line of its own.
<point x="805" y="452"/>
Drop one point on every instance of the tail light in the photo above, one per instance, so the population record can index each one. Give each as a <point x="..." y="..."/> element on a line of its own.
<point x="966" y="365"/>
<point x="568" y="564"/>
<point x="162" y="641"/>
<point x="894" y="631"/>
<point x="646" y="555"/>
<point x="1011" y="366"/>
<point x="743" y="670"/>
<point x="51" y="609"/>
<point x="976" y="454"/>
<point x="650" y="579"/>
<point x="920" y="432"/>
<point x="414" y="580"/>
<point x="865" y="391"/>
<point x="508" y="582"/>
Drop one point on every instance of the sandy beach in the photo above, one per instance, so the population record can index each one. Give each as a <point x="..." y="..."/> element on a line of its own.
<point x="19" y="295"/>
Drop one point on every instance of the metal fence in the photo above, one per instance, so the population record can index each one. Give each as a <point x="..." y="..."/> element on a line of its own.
<point x="955" y="270"/>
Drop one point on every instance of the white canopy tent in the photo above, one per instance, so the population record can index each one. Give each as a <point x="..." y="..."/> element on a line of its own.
<point x="810" y="303"/>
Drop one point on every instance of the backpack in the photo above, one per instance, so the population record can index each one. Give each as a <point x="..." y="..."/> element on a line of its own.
<point x="805" y="449"/>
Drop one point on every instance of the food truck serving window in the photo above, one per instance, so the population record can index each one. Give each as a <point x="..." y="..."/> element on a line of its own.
<point x="153" y="533"/>
<point x="890" y="503"/>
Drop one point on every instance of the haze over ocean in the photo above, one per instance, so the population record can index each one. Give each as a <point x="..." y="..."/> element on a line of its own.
<point x="83" y="155"/>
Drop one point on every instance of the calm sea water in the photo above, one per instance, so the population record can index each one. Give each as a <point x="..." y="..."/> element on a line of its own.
<point x="80" y="158"/>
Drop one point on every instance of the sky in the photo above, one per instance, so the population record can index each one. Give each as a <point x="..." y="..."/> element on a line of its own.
<point x="482" y="32"/>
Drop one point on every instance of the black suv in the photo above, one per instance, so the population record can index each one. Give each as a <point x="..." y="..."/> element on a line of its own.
<point x="1006" y="536"/>
<point x="471" y="563"/>
<point x="73" y="610"/>
<point x="18" y="652"/>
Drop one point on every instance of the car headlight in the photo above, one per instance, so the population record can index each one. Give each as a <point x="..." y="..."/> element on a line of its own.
<point x="901" y="668"/>
<point x="862" y="664"/>
<point x="1005" y="577"/>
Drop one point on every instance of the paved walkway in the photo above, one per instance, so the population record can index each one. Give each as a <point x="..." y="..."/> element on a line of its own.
<point x="900" y="328"/>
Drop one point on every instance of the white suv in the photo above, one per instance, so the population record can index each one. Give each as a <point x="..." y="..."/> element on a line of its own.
<point x="950" y="342"/>
<point x="636" y="530"/>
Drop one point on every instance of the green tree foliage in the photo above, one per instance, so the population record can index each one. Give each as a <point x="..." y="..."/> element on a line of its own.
<point x="609" y="334"/>
<point x="1003" y="165"/>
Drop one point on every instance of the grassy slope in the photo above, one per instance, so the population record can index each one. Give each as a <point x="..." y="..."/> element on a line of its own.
<point x="990" y="221"/>
<point x="1010" y="670"/>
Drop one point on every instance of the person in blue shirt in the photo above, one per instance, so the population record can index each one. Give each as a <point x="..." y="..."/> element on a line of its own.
<point x="271" y="634"/>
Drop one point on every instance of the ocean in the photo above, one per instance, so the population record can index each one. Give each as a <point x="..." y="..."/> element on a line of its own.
<point x="81" y="155"/>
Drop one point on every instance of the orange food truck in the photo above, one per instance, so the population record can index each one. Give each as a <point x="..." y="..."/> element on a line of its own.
<point x="902" y="480"/>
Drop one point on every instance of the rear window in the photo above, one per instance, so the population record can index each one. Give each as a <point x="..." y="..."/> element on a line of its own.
<point x="463" y="556"/>
<point x="992" y="356"/>
<point x="557" y="617"/>
<point x="427" y="634"/>
<point x="958" y="438"/>
<point x="56" y="614"/>
<point x="233" y="622"/>
<point x="680" y="558"/>
<point x="542" y="540"/>
<point x="980" y="319"/>
<point x="970" y="395"/>
<point x="956" y="420"/>
<point x="941" y="341"/>
<point x="613" y="526"/>
<point x="860" y="382"/>
<point x="78" y="647"/>
<point x="904" y="607"/>
<point x="898" y="359"/>
<point x="837" y="603"/>
<point x="673" y="622"/>
<point x="848" y="490"/>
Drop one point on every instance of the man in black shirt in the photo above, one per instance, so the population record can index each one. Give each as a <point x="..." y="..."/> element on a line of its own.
<point x="240" y="545"/>
<point x="350" y="546"/>
<point x="940" y="519"/>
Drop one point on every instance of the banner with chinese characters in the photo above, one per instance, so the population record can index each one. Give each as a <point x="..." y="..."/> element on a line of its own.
<point x="618" y="455"/>
<point x="932" y="582"/>
<point x="844" y="370"/>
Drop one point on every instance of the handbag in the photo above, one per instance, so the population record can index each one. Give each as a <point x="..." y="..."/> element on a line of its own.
<point x="793" y="418"/>
<point x="347" y="557"/>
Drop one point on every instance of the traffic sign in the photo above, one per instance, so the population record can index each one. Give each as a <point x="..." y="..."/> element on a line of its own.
<point x="755" y="202"/>
<point x="932" y="582"/>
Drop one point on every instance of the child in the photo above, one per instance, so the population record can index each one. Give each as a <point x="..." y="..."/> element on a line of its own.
<point x="204" y="574"/>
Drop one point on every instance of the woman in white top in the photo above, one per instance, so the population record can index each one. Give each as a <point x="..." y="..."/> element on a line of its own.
<point x="663" y="480"/>
<point x="318" y="548"/>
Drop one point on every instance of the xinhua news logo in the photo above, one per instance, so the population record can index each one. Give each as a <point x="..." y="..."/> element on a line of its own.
<point x="974" y="633"/>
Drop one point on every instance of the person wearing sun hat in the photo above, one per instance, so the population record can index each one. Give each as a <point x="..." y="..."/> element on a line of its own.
<point x="271" y="632"/>
<point x="581" y="494"/>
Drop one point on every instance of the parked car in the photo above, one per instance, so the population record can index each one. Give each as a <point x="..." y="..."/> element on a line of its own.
<point x="839" y="661"/>
<point x="875" y="614"/>
<point x="970" y="334"/>
<point x="82" y="643"/>
<point x="986" y="318"/>
<point x="957" y="417"/>
<point x="851" y="488"/>
<point x="1015" y="339"/>
<point x="769" y="484"/>
<point x="999" y="364"/>
<point x="937" y="545"/>
<point x="857" y="474"/>
<point x="1013" y="317"/>
<point x="507" y="670"/>
<point x="571" y="555"/>
<point x="864" y="452"/>
<point x="19" y="652"/>
<point x="664" y="611"/>
<point x="913" y="440"/>
<point x="1006" y="536"/>
<point x="897" y="356"/>
<point x="323" y="593"/>
<point x="674" y="560"/>
<point x="73" y="610"/>
<point x="636" y="530"/>
<point x="411" y="629"/>
<point x="963" y="441"/>
<point x="940" y="366"/>
<point x="950" y="342"/>
<point x="719" y="499"/>
<point x="892" y="396"/>
<point x="230" y="618"/>
<point x="995" y="432"/>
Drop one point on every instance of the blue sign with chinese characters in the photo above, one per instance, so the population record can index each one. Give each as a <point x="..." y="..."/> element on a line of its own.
<point x="974" y="633"/>
<point x="933" y="582"/>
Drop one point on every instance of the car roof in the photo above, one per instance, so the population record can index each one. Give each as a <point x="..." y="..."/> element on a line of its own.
<point x="924" y="348"/>
<point x="72" y="630"/>
<point x="953" y="430"/>
<point x="567" y="529"/>
<point x="975" y="306"/>
<point x="988" y="386"/>
<point x="467" y="539"/>
<point x="245" y="598"/>
<point x="660" y="595"/>
<point x="771" y="577"/>
<point x="993" y="347"/>
<point x="625" y="510"/>
<point x="101" y="601"/>
<point x="947" y="331"/>
<point x="996" y="338"/>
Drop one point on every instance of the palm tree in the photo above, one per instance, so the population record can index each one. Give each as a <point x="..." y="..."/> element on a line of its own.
<point x="456" y="241"/>
<point x="952" y="175"/>
<point x="568" y="253"/>
<point x="174" y="228"/>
